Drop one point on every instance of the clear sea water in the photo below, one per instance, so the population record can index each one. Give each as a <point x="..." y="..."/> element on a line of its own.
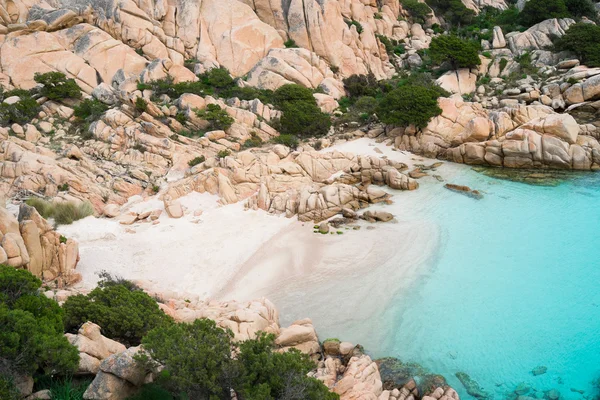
<point x="515" y="285"/>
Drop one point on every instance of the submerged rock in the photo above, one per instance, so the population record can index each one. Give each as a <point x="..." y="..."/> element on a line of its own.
<point x="472" y="386"/>
<point x="522" y="389"/>
<point x="476" y="194"/>
<point x="539" y="370"/>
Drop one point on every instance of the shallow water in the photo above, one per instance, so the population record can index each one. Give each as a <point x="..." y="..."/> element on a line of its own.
<point x="514" y="286"/>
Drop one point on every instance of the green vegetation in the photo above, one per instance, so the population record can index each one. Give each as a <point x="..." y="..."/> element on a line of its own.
<point x="254" y="141"/>
<point x="196" y="161"/>
<point x="290" y="141"/>
<point x="218" y="118"/>
<point x="351" y="22"/>
<point x="141" y="104"/>
<point x="90" y="110"/>
<point x="64" y="213"/>
<point x="68" y="389"/>
<point x="20" y="112"/>
<point x="301" y="115"/>
<point x="584" y="40"/>
<point x="198" y="363"/>
<point x="454" y="12"/>
<point x="56" y="86"/>
<point x="290" y="44"/>
<point x="124" y="312"/>
<point x="31" y="336"/>
<point x="458" y="52"/>
<point x="582" y="8"/>
<point x="525" y="65"/>
<point x="488" y="18"/>
<point x="418" y="11"/>
<point x="8" y="390"/>
<point x="392" y="46"/>
<point x="536" y="11"/>
<point x="361" y="85"/>
<point x="223" y="153"/>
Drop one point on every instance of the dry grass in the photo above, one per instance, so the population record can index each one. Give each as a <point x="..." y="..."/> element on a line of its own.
<point x="62" y="213"/>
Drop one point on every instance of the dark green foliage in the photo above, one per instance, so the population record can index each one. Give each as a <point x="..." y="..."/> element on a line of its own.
<point x="365" y="104"/>
<point x="223" y="153"/>
<point x="536" y="11"/>
<point x="217" y="78"/>
<point x="254" y="141"/>
<point x="361" y="85"/>
<point x="270" y="375"/>
<point x="219" y="119"/>
<point x="290" y="141"/>
<point x="525" y="64"/>
<point x="581" y="8"/>
<point x="90" y="110"/>
<point x="124" y="312"/>
<point x="8" y="390"/>
<point x="418" y="11"/>
<point x="392" y="46"/>
<point x="290" y="44"/>
<point x="21" y="112"/>
<point x="198" y="365"/>
<point x="68" y="388"/>
<point x="196" y="161"/>
<point x="351" y="22"/>
<point x="584" y="40"/>
<point x="141" y="105"/>
<point x="301" y="115"/>
<point x="488" y="18"/>
<point x="56" y="86"/>
<point x="31" y="336"/>
<point x="409" y="105"/>
<point x="454" y="12"/>
<point x="192" y="133"/>
<point x="503" y="64"/>
<point x="196" y="356"/>
<point x="458" y="52"/>
<point x="152" y="391"/>
<point x="64" y="213"/>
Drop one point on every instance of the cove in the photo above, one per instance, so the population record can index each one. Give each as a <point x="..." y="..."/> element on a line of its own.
<point x="514" y="286"/>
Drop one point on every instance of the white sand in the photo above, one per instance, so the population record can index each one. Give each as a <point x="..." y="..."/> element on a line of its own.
<point x="343" y="282"/>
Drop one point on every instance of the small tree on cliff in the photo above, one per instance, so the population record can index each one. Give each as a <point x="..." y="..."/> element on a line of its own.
<point x="458" y="52"/>
<point x="409" y="105"/>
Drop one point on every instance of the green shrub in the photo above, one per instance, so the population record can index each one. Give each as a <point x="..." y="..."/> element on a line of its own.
<point x="458" y="52"/>
<point x="503" y="64"/>
<point x="525" y="63"/>
<point x="409" y="105"/>
<point x="582" y="8"/>
<point x="584" y="40"/>
<point x="196" y="357"/>
<point x="361" y="85"/>
<point x="536" y="11"/>
<point x="192" y="132"/>
<point x="290" y="141"/>
<point x="64" y="213"/>
<point x="292" y="93"/>
<point x="152" y="391"/>
<point x="141" y="104"/>
<point x="31" y="336"/>
<point x="20" y="112"/>
<point x="218" y="118"/>
<point x="351" y="22"/>
<point x="68" y="389"/>
<point x="223" y="153"/>
<point x="301" y="115"/>
<point x="90" y="110"/>
<point x="454" y="12"/>
<point x="56" y="86"/>
<point x="217" y="77"/>
<point x="8" y="390"/>
<point x="196" y="161"/>
<point x="254" y="141"/>
<point x="365" y="104"/>
<point x="290" y="44"/>
<point x="124" y="312"/>
<point x="418" y="11"/>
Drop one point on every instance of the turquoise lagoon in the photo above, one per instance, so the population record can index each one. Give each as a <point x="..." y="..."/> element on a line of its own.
<point x="515" y="285"/>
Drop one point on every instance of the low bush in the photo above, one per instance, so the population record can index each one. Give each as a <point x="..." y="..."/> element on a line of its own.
<point x="418" y="11"/>
<point x="63" y="213"/>
<point x="582" y="8"/>
<point x="223" y="153"/>
<point x="409" y="105"/>
<point x="536" y="11"/>
<point x="31" y="336"/>
<point x="254" y="141"/>
<point x="218" y="118"/>
<point x="56" y="86"/>
<point x="68" y="389"/>
<point x="197" y="160"/>
<point x="290" y="44"/>
<point x="301" y="115"/>
<point x="124" y="312"/>
<point x="290" y="141"/>
<point x="8" y="390"/>
<point x="20" y="112"/>
<point x="141" y="104"/>
<point x="361" y="85"/>
<point x="152" y="391"/>
<point x="454" y="12"/>
<point x="217" y="78"/>
<point x="351" y="23"/>
<point x="458" y="52"/>
<point x="90" y="110"/>
<point x="583" y="40"/>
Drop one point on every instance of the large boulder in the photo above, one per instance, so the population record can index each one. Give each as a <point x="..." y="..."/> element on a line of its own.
<point x="93" y="347"/>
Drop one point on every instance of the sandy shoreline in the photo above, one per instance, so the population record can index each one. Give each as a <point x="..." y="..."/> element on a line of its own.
<point x="343" y="282"/>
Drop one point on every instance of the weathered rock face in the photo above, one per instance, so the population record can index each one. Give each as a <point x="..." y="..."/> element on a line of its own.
<point x="519" y="137"/>
<point x="460" y="82"/>
<point x="29" y="242"/>
<point x="93" y="348"/>
<point x="538" y="36"/>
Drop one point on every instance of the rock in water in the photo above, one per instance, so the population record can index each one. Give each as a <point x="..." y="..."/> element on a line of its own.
<point x="472" y="386"/>
<point x="539" y="370"/>
<point x="476" y="194"/>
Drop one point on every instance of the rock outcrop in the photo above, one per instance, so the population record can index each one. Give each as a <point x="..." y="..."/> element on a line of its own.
<point x="29" y="242"/>
<point x="93" y="348"/>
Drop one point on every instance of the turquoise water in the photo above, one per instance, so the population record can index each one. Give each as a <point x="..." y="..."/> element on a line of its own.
<point x="515" y="286"/>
